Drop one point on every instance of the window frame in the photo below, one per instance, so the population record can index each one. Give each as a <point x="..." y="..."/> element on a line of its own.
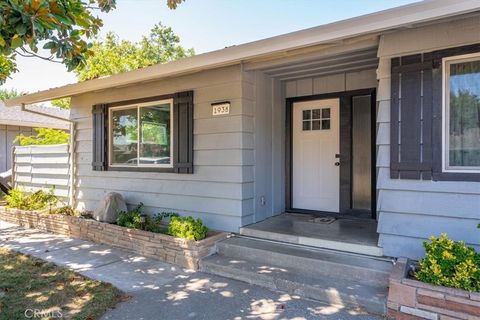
<point x="446" y="62"/>
<point x="138" y="106"/>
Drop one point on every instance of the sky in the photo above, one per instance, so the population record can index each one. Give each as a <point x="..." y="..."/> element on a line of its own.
<point x="204" y="25"/>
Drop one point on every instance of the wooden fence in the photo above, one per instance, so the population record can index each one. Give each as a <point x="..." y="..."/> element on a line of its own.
<point x="42" y="167"/>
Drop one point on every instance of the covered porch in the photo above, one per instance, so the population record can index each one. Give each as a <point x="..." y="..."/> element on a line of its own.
<point x="315" y="148"/>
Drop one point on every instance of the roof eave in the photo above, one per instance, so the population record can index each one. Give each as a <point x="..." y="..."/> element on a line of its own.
<point x="32" y="124"/>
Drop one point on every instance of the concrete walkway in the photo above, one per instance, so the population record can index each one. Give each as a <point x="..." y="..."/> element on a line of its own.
<point x="162" y="291"/>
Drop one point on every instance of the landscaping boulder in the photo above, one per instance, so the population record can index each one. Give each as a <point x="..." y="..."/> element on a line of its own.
<point x="109" y="207"/>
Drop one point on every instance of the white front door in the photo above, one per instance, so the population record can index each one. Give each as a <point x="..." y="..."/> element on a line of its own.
<point x="315" y="144"/>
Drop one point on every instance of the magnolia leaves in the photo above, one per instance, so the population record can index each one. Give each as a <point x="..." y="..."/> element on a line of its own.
<point x="172" y="4"/>
<point x="62" y="27"/>
<point x="65" y="25"/>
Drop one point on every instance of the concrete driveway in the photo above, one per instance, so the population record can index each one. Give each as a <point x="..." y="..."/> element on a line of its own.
<point x="160" y="290"/>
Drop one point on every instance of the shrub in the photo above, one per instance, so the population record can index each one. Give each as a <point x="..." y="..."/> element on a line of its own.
<point x="183" y="227"/>
<point x="133" y="219"/>
<point x="187" y="228"/>
<point x="65" y="211"/>
<point x="39" y="200"/>
<point x="450" y="263"/>
<point x="15" y="198"/>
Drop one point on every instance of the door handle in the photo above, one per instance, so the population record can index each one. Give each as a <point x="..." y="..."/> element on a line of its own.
<point x="337" y="163"/>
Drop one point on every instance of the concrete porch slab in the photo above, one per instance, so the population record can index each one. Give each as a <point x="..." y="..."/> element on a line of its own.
<point x="349" y="235"/>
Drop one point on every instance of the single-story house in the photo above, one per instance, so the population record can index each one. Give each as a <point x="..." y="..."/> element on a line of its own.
<point x="374" y="118"/>
<point x="14" y="121"/>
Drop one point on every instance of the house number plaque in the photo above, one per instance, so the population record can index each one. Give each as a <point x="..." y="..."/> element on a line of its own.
<point x="221" y="108"/>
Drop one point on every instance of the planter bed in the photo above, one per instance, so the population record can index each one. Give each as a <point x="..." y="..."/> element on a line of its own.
<point x="412" y="299"/>
<point x="182" y="252"/>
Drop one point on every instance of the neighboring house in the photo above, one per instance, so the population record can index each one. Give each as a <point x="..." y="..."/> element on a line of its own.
<point x="376" y="117"/>
<point x="14" y="121"/>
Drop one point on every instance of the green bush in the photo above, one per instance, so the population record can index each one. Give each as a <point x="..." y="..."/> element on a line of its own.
<point x="39" y="200"/>
<point x="183" y="227"/>
<point x="133" y="219"/>
<point x="187" y="228"/>
<point x="450" y="263"/>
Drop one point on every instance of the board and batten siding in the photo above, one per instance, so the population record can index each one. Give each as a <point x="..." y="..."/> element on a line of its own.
<point x="409" y="211"/>
<point x="41" y="168"/>
<point x="220" y="189"/>
<point x="345" y="81"/>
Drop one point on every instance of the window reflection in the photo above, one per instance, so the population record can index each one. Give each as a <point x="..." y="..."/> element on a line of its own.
<point x="124" y="136"/>
<point x="141" y="135"/>
<point x="155" y="134"/>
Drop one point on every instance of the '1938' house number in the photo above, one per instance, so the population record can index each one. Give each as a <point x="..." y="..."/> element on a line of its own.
<point x="221" y="108"/>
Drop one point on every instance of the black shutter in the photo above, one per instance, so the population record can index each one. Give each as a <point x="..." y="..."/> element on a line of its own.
<point x="99" y="155"/>
<point x="183" y="132"/>
<point x="411" y="117"/>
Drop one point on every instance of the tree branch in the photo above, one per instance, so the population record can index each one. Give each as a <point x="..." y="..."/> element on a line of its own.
<point x="28" y="54"/>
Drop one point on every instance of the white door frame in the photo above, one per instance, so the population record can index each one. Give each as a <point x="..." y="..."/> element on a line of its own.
<point x="345" y="102"/>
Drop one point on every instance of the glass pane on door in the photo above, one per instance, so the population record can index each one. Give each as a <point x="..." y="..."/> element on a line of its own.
<point x="362" y="153"/>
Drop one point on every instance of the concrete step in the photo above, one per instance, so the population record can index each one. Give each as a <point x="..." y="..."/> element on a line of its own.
<point x="363" y="269"/>
<point x="317" y="285"/>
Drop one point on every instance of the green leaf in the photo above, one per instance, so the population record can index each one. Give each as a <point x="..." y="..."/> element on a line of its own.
<point x="13" y="20"/>
<point x="49" y="45"/>
<point x="38" y="26"/>
<point x="63" y="19"/>
<point x="21" y="29"/>
<point x="2" y="42"/>
<point x="16" y="42"/>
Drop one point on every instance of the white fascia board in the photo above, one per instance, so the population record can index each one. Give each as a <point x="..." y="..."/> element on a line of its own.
<point x="35" y="124"/>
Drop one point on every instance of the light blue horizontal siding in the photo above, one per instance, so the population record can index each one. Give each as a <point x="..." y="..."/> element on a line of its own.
<point x="220" y="190"/>
<point x="424" y="226"/>
<point x="402" y="246"/>
<point x="409" y="211"/>
<point x="447" y="204"/>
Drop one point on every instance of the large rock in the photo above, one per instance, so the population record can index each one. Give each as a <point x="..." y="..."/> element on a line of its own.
<point x="109" y="207"/>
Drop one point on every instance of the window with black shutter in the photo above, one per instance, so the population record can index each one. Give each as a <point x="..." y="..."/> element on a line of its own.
<point x="435" y="115"/>
<point x="151" y="134"/>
